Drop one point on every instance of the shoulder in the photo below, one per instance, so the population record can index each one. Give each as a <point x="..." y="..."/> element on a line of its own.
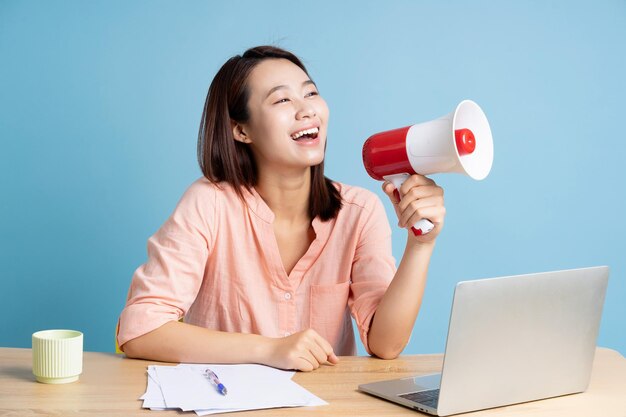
<point x="357" y="199"/>
<point x="200" y="188"/>
<point x="204" y="191"/>
<point x="201" y="193"/>
<point x="204" y="198"/>
<point x="362" y="210"/>
<point x="200" y="206"/>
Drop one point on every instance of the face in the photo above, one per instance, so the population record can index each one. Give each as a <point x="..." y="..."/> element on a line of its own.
<point x="288" y="117"/>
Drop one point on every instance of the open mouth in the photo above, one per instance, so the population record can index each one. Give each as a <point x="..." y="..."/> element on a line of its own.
<point x="307" y="134"/>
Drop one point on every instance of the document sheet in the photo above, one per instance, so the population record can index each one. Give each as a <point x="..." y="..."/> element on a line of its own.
<point x="186" y="387"/>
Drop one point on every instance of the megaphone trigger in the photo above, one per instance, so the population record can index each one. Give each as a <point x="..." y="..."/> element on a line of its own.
<point x="422" y="227"/>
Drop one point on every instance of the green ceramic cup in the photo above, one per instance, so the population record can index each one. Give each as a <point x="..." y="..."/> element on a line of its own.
<point x="57" y="356"/>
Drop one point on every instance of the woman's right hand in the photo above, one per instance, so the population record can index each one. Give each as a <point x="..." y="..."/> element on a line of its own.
<point x="302" y="351"/>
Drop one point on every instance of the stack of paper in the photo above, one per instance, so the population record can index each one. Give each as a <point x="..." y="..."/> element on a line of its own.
<point x="250" y="387"/>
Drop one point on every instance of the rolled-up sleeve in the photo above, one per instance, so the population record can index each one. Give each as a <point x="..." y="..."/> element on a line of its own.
<point x="163" y="289"/>
<point x="373" y="267"/>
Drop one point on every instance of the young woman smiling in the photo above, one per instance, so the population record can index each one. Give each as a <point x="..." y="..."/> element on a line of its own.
<point x="264" y="257"/>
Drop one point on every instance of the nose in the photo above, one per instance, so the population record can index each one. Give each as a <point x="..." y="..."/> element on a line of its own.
<point x="305" y="110"/>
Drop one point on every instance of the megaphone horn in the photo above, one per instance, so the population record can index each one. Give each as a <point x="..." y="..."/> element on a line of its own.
<point x="459" y="142"/>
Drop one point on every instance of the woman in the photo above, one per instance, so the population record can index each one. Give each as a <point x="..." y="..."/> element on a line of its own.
<point x="264" y="257"/>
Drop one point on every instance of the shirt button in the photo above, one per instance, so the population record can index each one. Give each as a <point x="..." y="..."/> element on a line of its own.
<point x="287" y="296"/>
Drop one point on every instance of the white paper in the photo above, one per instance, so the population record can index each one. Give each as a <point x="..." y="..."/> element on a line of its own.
<point x="249" y="387"/>
<point x="153" y="397"/>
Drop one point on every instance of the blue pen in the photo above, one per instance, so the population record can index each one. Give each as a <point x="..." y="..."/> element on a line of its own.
<point x="216" y="381"/>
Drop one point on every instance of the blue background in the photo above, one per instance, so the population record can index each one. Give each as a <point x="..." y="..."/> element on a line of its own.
<point x="100" y="103"/>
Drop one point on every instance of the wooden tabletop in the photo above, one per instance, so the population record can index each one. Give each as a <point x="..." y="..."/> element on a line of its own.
<point x="110" y="385"/>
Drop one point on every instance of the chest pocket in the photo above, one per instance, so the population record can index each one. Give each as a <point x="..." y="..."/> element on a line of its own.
<point x="328" y="309"/>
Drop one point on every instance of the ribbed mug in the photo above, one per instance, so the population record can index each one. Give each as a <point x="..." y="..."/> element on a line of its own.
<point x="57" y="356"/>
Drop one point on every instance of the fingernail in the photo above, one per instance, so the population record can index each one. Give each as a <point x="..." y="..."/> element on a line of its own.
<point x="396" y="194"/>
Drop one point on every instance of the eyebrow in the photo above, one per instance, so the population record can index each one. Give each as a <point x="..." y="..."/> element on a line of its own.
<point x="278" y="87"/>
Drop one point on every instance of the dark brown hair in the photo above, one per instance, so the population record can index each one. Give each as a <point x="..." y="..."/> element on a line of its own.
<point x="222" y="158"/>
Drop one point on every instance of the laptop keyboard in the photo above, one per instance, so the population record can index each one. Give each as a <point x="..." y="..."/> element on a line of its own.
<point x="428" y="398"/>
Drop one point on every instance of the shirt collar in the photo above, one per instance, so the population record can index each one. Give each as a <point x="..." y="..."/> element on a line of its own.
<point x="257" y="205"/>
<point x="260" y="208"/>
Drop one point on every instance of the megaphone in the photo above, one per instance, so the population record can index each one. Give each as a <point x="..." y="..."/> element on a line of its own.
<point x="458" y="142"/>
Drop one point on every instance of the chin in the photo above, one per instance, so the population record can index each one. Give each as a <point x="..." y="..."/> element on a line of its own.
<point x="315" y="160"/>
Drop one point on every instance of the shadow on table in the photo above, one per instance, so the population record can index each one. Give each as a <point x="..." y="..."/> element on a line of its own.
<point x="24" y="373"/>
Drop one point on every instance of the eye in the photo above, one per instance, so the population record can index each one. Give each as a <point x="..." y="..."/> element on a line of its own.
<point x="282" y="100"/>
<point x="312" y="93"/>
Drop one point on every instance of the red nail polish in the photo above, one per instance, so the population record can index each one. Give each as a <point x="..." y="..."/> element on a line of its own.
<point x="396" y="194"/>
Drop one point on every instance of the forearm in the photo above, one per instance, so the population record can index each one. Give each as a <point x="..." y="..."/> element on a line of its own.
<point x="395" y="316"/>
<point x="182" y="342"/>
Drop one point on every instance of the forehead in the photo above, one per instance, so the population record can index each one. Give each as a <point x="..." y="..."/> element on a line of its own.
<point x="272" y="72"/>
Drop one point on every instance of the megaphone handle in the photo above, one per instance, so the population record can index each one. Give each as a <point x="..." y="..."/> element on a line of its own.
<point x="422" y="226"/>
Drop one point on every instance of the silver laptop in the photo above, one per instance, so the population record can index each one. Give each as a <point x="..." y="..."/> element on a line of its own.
<point x="511" y="340"/>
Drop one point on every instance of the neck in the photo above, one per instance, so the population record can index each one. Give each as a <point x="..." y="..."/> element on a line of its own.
<point x="286" y="195"/>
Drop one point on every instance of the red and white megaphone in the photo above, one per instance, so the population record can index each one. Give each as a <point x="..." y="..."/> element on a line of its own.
<point x="459" y="142"/>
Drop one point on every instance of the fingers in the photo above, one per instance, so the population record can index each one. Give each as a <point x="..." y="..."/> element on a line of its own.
<point x="430" y="208"/>
<point x="318" y="352"/>
<point x="414" y="184"/>
<point x="327" y="349"/>
<point x="333" y="359"/>
<point x="434" y="214"/>
<point x="309" y="351"/>
<point x="413" y="181"/>
<point x="419" y="197"/>
<point x="306" y="363"/>
<point x="418" y="193"/>
<point x="392" y="193"/>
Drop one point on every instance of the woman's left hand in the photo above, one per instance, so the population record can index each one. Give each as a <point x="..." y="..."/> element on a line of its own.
<point x="419" y="198"/>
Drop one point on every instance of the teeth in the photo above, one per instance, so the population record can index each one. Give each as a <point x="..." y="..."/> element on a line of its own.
<point x="312" y="131"/>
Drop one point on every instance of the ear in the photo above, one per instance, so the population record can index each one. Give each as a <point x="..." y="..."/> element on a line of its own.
<point x="239" y="133"/>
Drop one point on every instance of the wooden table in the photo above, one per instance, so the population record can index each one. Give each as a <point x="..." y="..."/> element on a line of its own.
<point x="110" y="385"/>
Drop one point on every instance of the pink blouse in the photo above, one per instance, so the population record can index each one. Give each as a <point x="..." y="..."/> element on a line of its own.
<point x="216" y="263"/>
